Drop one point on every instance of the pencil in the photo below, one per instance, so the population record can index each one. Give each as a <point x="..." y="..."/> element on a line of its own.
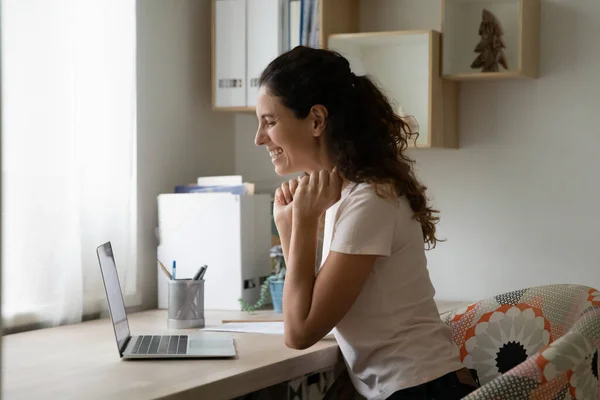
<point x="165" y="270"/>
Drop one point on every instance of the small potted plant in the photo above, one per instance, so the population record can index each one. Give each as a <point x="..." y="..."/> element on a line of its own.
<point x="277" y="279"/>
<point x="273" y="285"/>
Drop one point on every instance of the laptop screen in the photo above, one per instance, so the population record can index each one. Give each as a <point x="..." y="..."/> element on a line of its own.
<point x="114" y="295"/>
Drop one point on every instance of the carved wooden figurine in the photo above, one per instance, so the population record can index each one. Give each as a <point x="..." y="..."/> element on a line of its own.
<point x="491" y="46"/>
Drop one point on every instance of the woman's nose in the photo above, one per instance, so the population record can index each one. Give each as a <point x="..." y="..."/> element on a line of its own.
<point x="260" y="138"/>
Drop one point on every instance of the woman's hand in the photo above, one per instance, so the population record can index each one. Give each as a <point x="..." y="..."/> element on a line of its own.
<point x="316" y="193"/>
<point x="282" y="206"/>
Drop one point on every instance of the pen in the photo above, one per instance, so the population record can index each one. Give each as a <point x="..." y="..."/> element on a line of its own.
<point x="200" y="273"/>
<point x="174" y="268"/>
<point x="203" y="272"/>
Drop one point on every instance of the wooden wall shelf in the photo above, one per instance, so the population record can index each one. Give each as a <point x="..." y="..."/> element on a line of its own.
<point x="235" y="109"/>
<point x="406" y="65"/>
<point x="420" y="70"/>
<point x="520" y="20"/>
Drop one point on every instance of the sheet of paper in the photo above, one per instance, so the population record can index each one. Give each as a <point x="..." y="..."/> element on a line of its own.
<point x="267" y="328"/>
<point x="223" y="180"/>
<point x="270" y="328"/>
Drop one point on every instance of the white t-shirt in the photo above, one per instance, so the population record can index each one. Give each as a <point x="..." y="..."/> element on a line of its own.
<point x="392" y="337"/>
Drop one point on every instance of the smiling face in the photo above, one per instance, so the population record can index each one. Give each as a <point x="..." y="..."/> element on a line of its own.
<point x="294" y="144"/>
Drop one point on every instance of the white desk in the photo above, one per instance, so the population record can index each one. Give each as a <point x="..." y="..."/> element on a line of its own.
<point x="82" y="362"/>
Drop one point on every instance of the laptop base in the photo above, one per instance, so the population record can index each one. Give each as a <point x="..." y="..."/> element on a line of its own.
<point x="197" y="345"/>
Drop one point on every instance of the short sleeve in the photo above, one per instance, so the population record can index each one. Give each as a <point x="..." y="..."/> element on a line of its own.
<point x="364" y="224"/>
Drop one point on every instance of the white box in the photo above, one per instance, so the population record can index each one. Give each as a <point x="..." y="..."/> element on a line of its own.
<point x="248" y="35"/>
<point x="229" y="233"/>
<point x="230" y="53"/>
<point x="264" y="40"/>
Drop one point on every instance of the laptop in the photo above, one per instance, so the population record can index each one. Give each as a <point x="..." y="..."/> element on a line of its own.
<point x="153" y="345"/>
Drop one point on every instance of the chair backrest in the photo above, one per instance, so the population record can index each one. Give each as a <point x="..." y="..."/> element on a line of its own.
<point x="540" y="342"/>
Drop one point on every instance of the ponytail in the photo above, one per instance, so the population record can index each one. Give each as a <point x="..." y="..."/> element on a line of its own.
<point x="380" y="156"/>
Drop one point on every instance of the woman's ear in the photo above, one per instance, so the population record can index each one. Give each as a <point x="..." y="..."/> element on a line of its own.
<point x="318" y="114"/>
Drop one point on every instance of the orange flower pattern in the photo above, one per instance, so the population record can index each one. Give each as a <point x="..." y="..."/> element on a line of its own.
<point x="536" y="343"/>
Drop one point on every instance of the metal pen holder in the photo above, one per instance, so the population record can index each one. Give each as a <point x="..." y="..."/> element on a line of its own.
<point x="186" y="304"/>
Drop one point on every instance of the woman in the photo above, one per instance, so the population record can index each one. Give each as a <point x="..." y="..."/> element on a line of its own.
<point x="373" y="287"/>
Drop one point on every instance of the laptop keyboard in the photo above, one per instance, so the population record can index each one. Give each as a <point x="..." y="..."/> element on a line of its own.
<point x="154" y="344"/>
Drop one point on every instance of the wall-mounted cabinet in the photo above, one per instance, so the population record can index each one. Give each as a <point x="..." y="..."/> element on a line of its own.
<point x="406" y="66"/>
<point x="520" y="24"/>
<point x="248" y="34"/>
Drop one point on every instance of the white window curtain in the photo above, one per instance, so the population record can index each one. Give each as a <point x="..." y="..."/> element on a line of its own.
<point x="68" y="155"/>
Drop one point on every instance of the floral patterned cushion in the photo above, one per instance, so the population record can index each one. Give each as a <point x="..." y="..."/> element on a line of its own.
<point x="536" y="343"/>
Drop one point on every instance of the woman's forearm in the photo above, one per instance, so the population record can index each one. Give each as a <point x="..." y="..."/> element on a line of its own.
<point x="300" y="278"/>
<point x="285" y="233"/>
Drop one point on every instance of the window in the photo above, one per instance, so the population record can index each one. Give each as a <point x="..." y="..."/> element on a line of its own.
<point x="69" y="155"/>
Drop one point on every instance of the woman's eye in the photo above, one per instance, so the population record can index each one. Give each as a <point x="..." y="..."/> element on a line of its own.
<point x="270" y="123"/>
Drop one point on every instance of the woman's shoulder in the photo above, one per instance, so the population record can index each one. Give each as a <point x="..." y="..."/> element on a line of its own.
<point x="378" y="198"/>
<point x="366" y="193"/>
<point x="368" y="190"/>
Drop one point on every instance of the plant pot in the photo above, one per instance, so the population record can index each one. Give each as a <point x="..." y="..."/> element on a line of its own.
<point x="276" y="287"/>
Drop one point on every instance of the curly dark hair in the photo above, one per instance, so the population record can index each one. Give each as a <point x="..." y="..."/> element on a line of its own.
<point x="365" y="138"/>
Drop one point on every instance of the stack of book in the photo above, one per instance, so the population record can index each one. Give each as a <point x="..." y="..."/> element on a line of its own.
<point x="301" y="23"/>
<point x="228" y="183"/>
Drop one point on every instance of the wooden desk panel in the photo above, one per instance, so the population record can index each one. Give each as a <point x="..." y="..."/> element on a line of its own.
<point x="82" y="361"/>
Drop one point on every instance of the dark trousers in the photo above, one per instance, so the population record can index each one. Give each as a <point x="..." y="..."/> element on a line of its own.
<point x="452" y="386"/>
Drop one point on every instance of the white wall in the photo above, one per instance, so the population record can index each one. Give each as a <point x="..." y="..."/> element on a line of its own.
<point x="179" y="136"/>
<point x="518" y="199"/>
